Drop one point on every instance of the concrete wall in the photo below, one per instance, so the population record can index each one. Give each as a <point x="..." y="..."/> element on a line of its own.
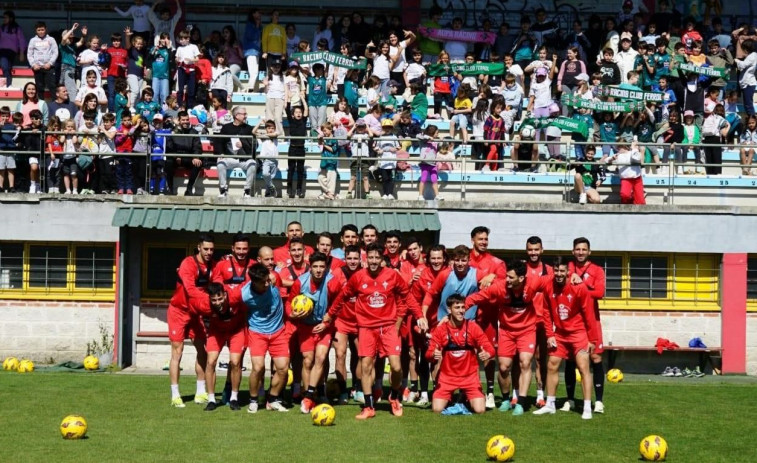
<point x="82" y="220"/>
<point x="50" y="331"/>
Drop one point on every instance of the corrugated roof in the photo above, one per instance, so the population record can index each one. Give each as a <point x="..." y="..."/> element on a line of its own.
<point x="269" y="221"/>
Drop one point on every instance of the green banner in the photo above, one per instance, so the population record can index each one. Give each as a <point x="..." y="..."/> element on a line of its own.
<point x="720" y="73"/>
<point x="563" y="123"/>
<point x="333" y="59"/>
<point x="596" y="105"/>
<point x="628" y="94"/>
<point x="435" y="70"/>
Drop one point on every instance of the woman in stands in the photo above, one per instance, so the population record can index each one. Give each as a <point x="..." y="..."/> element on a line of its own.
<point x="340" y="33"/>
<point x="88" y="105"/>
<point x="323" y="30"/>
<point x="252" y="44"/>
<point x="233" y="51"/>
<point x="30" y="101"/>
<point x="12" y="45"/>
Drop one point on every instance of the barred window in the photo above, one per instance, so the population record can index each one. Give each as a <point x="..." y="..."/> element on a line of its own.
<point x="649" y="277"/>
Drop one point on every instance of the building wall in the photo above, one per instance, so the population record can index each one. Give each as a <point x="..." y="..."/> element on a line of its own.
<point x="751" y="344"/>
<point x="50" y="331"/>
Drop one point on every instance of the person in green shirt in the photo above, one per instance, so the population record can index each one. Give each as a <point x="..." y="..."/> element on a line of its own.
<point x="318" y="98"/>
<point x="431" y="47"/>
<point x="419" y="103"/>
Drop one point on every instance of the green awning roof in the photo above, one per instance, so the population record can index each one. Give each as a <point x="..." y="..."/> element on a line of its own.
<point x="269" y="221"/>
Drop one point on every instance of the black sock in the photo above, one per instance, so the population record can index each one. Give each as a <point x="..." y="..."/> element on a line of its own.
<point x="253" y="399"/>
<point x="310" y="392"/>
<point x="272" y="398"/>
<point x="570" y="379"/>
<point x="342" y="385"/>
<point x="414" y="386"/>
<point x="394" y="394"/>
<point x="357" y="385"/>
<point x="321" y="390"/>
<point x="598" y="371"/>
<point x="369" y="400"/>
<point x="489" y="387"/>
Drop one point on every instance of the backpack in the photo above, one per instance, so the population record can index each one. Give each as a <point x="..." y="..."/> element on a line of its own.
<point x="403" y="165"/>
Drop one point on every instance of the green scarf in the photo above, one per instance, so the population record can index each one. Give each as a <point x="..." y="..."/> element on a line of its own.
<point x="333" y="59"/>
<point x="435" y="70"/>
<point x="563" y="123"/>
<point x="709" y="71"/>
<point x="627" y="94"/>
<point x="606" y="106"/>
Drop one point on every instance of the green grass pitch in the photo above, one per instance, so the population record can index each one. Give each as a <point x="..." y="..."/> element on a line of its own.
<point x="711" y="419"/>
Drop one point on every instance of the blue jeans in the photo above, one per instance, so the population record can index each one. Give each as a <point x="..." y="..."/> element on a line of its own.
<point x="6" y="64"/>
<point x="161" y="87"/>
<point x="747" y="94"/>
<point x="111" y="94"/>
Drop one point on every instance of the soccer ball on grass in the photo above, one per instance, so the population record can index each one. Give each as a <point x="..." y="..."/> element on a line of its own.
<point x="323" y="415"/>
<point x="615" y="375"/>
<point x="91" y="362"/>
<point x="500" y="448"/>
<point x="25" y="366"/>
<point x="73" y="427"/>
<point x="653" y="448"/>
<point x="302" y="305"/>
<point x="10" y="364"/>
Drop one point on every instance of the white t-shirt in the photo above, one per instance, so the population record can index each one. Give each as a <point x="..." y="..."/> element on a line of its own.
<point x="295" y="89"/>
<point x="381" y="67"/>
<point x="401" y="63"/>
<point x="85" y="56"/>
<point x="86" y="90"/>
<point x="414" y="71"/>
<point x="542" y="93"/>
<point x="293" y="45"/>
<point x="275" y="87"/>
<point x="269" y="149"/>
<point x="187" y="52"/>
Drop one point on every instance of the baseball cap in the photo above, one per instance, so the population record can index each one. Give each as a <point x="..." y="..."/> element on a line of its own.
<point x="394" y="83"/>
<point x="294" y="64"/>
<point x="709" y="107"/>
<point x="688" y="113"/>
<point x="387" y="123"/>
<point x="541" y="71"/>
<point x="157" y="117"/>
<point x="360" y="122"/>
<point x="583" y="76"/>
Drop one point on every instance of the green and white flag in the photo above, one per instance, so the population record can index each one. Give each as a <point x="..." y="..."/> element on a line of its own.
<point x="474" y="69"/>
<point x="563" y="123"/>
<point x="607" y="106"/>
<point x="719" y="73"/>
<point x="629" y="94"/>
<point x="333" y="59"/>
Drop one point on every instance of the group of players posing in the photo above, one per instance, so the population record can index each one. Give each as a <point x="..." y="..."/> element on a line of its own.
<point x="434" y="314"/>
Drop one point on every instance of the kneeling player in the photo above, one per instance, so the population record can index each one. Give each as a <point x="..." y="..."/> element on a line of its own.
<point x="266" y="333"/>
<point x="458" y="345"/>
<point x="571" y="313"/>
<point x="227" y="326"/>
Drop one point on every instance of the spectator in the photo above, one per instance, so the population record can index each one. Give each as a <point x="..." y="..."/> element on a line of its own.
<point x="90" y="87"/>
<point x="135" y="69"/>
<point x="147" y="107"/>
<point x="360" y="32"/>
<point x="187" y="55"/>
<point x="483" y="50"/>
<point x="323" y="30"/>
<point x="269" y="153"/>
<point x="525" y="44"/>
<point x="455" y="48"/>
<point x="162" y="21"/>
<point x="61" y="106"/>
<point x="185" y="140"/>
<point x="397" y="52"/>
<point x="30" y="101"/>
<point x="609" y="68"/>
<point x="8" y="144"/>
<point x="625" y="59"/>
<point x="567" y="81"/>
<point x="90" y="104"/>
<point x="748" y="141"/>
<point x="341" y="32"/>
<point x="719" y="58"/>
<point x="234" y="54"/>
<point x="34" y="144"/>
<point x="430" y="47"/>
<point x="379" y="28"/>
<point x="12" y="45"/>
<point x="274" y="40"/>
<point x="588" y="178"/>
<point x="383" y="62"/>
<point x="714" y="130"/>
<point x="69" y="167"/>
<point x="139" y="13"/>
<point x="329" y="154"/>
<point x="213" y="44"/>
<point x="429" y="174"/>
<point x="119" y="60"/>
<point x="545" y="30"/>
<point x="296" y="161"/>
<point x="252" y="46"/>
<point x="237" y="152"/>
<point x="106" y="162"/>
<point x="275" y="95"/>
<point x="293" y="40"/>
<point x="577" y="38"/>
<point x="222" y="82"/>
<point x="88" y="59"/>
<point x="629" y="170"/>
<point x="692" y="137"/>
<point x="42" y="53"/>
<point x="318" y="98"/>
<point x="443" y="87"/>
<point x="360" y="149"/>
<point x="160" y="68"/>
<point x="747" y="80"/>
<point x="54" y="148"/>
<point x="158" y="176"/>
<point x="67" y="59"/>
<point x="387" y="149"/>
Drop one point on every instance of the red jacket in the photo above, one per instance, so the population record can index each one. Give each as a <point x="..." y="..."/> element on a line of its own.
<point x="569" y="310"/>
<point x="228" y="269"/>
<point x="190" y="294"/>
<point x="460" y="347"/>
<point x="516" y="309"/>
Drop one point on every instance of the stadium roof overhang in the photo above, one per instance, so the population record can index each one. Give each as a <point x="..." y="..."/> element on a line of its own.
<point x="272" y="222"/>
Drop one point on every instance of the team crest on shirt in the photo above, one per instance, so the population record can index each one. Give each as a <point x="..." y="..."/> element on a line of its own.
<point x="563" y="312"/>
<point x="376" y="300"/>
<point x="365" y="285"/>
<point x="570" y="297"/>
<point x="385" y="285"/>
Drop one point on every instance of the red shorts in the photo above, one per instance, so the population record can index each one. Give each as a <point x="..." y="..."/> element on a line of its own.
<point x="522" y="341"/>
<point x="183" y="324"/>
<point x="599" y="347"/>
<point x="277" y="344"/>
<point x="446" y="386"/>
<point x="383" y="340"/>
<point x="569" y="345"/>
<point x="308" y="340"/>
<point x="407" y="329"/>
<point x="219" y="338"/>
<point x="345" y="326"/>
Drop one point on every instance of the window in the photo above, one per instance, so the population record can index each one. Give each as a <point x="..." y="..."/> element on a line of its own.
<point x="11" y="265"/>
<point x="94" y="267"/>
<point x="161" y="268"/>
<point x="57" y="271"/>
<point x="613" y="267"/>
<point x="751" y="278"/>
<point x="48" y="266"/>
<point x="648" y="277"/>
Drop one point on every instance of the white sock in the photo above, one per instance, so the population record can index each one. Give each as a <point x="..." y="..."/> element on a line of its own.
<point x="515" y="393"/>
<point x="175" y="391"/>
<point x="424" y="395"/>
<point x="201" y="387"/>
<point x="212" y="398"/>
<point x="551" y="401"/>
<point x="234" y="395"/>
<point x="539" y="394"/>
<point x="587" y="405"/>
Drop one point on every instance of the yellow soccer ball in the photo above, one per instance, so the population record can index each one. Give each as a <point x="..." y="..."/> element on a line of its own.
<point x="500" y="448"/>
<point x="653" y="448"/>
<point x="73" y="427"/>
<point x="91" y="362"/>
<point x="578" y="375"/>
<point x="25" y="366"/>
<point x="10" y="364"/>
<point x="615" y="375"/>
<point x="290" y="377"/>
<point x="323" y="415"/>
<point x="302" y="305"/>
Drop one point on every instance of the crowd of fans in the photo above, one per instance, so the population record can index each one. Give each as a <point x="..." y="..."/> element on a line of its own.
<point x="621" y="83"/>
